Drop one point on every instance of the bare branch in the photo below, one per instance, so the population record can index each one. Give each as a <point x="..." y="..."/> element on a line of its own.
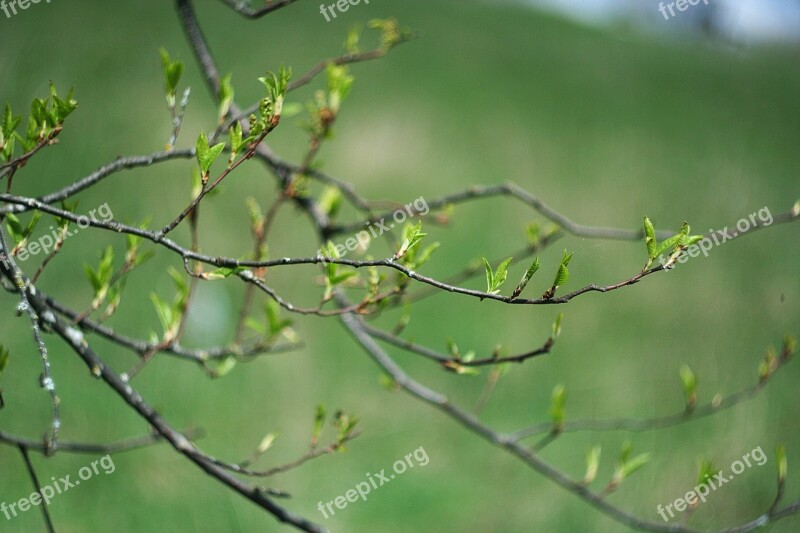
<point x="356" y="326"/>
<point x="32" y="472"/>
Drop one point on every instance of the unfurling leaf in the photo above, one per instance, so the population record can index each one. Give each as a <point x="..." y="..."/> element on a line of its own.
<point x="562" y="276"/>
<point x="412" y="235"/>
<point x="224" y="367"/>
<point x="557" y="325"/>
<point x="705" y="471"/>
<point x="635" y="464"/>
<point x="489" y="274"/>
<point x="172" y="71"/>
<point x="650" y="239"/>
<point x="206" y="155"/>
<point x="226" y="93"/>
<point x="266" y="443"/>
<point x="319" y="423"/>
<point x="689" y="382"/>
<point x="782" y="464"/>
<point x="526" y="278"/>
<point x="592" y="464"/>
<point x="495" y="279"/>
<point x="627" y="466"/>
<point x="557" y="405"/>
<point x="330" y="201"/>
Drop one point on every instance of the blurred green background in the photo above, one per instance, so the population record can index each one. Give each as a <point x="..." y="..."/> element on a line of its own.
<point x="605" y="126"/>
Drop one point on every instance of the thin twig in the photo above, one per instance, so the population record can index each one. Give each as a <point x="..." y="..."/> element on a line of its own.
<point x="38" y="486"/>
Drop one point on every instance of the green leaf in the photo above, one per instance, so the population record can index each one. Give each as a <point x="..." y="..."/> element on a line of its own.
<point x="32" y="224"/>
<point x="344" y="276"/>
<point x="650" y="239"/>
<point x="625" y="451"/>
<point x="694" y="239"/>
<point x="557" y="325"/>
<point x="100" y="279"/>
<point x="10" y="122"/>
<point x="8" y="149"/>
<point x="626" y="467"/>
<point x="557" y="407"/>
<point x="256" y="326"/>
<point x="412" y="235"/>
<point x="592" y="464"/>
<point x="789" y="346"/>
<point x="14" y="227"/>
<point x="226" y="93"/>
<point x="425" y="255"/>
<point x="689" y="381"/>
<point x="182" y="288"/>
<point x="452" y="347"/>
<point x="276" y="86"/>
<point x="319" y="423"/>
<point x="332" y="275"/>
<point x="163" y="310"/>
<point x="676" y="241"/>
<point x="292" y="109"/>
<point x="340" y="82"/>
<point x="668" y="244"/>
<point x="31" y="135"/>
<point x="222" y="273"/>
<point x="387" y="382"/>
<point x="562" y="276"/>
<point x="94" y="281"/>
<point x="266" y="443"/>
<point x="780" y="457"/>
<point x="634" y="464"/>
<point x="276" y="324"/>
<point x="236" y="139"/>
<point x="489" y="275"/>
<point x="495" y="279"/>
<point x="345" y="424"/>
<point x="526" y="278"/>
<point x="202" y="150"/>
<point x="532" y="231"/>
<point x="106" y="268"/>
<point x="224" y="367"/>
<point x="206" y="155"/>
<point x="38" y="111"/>
<point x="254" y="212"/>
<point x="330" y="201"/>
<point x="214" y="154"/>
<point x="63" y="108"/>
<point x="705" y="471"/>
<point x="329" y="251"/>
<point x="461" y="370"/>
<point x="501" y="274"/>
<point x="353" y="37"/>
<point x="172" y="71"/>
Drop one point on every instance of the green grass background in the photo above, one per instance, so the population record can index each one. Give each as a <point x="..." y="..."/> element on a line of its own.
<point x="605" y="126"/>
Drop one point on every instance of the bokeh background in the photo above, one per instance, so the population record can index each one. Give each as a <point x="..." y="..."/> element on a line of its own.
<point x="606" y="123"/>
